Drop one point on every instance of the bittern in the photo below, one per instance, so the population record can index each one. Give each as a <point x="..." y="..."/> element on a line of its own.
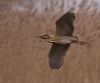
<point x="61" y="40"/>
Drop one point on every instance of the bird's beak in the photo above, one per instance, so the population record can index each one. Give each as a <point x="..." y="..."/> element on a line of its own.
<point x="40" y="37"/>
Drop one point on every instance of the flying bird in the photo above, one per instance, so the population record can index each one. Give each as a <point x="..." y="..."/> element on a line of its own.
<point x="61" y="40"/>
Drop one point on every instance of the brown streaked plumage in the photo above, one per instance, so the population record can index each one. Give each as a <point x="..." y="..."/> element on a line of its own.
<point x="61" y="40"/>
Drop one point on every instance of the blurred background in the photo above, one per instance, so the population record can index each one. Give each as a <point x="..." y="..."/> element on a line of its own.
<point x="24" y="57"/>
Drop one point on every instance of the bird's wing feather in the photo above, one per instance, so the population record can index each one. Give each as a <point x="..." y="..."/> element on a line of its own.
<point x="64" y="25"/>
<point x="56" y="55"/>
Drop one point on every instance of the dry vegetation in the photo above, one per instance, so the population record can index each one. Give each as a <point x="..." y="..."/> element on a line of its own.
<point x="24" y="58"/>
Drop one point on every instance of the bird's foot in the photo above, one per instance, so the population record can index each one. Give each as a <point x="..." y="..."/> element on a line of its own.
<point x="83" y="43"/>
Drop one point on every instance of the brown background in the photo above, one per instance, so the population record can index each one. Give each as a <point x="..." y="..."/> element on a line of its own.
<point x="24" y="57"/>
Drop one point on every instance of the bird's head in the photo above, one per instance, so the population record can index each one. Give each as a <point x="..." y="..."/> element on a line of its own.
<point x="45" y="37"/>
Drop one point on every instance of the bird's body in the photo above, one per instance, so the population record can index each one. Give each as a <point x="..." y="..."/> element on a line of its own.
<point x="61" y="40"/>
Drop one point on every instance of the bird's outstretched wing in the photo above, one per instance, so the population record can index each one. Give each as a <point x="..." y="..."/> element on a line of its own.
<point x="64" y="25"/>
<point x="56" y="55"/>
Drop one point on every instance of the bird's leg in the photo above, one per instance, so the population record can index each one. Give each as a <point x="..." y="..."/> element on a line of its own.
<point x="82" y="43"/>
